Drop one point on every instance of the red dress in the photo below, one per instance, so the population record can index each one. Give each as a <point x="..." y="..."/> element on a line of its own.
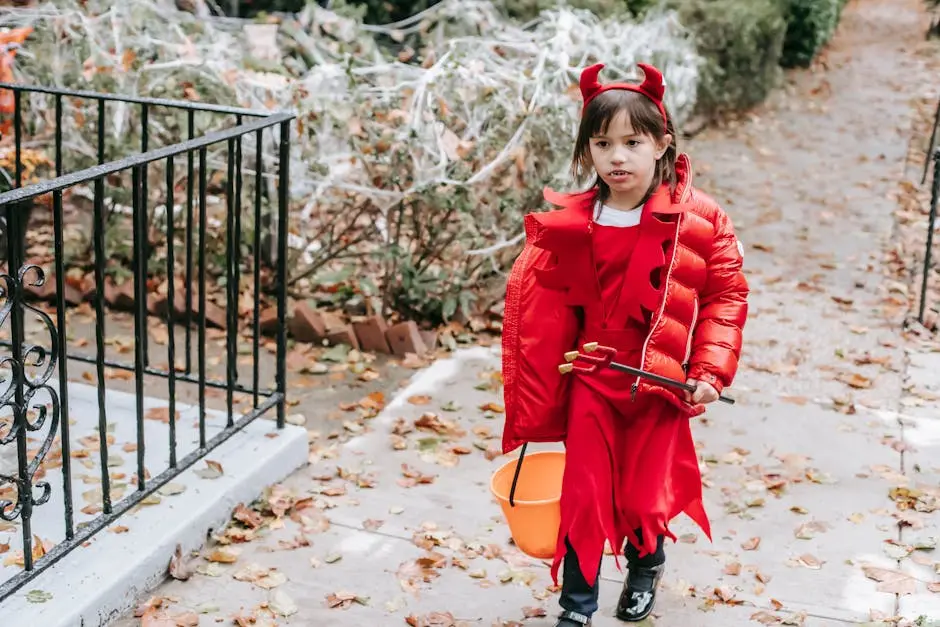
<point x="616" y="445"/>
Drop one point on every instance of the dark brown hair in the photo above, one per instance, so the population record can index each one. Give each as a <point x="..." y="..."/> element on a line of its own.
<point x="645" y="119"/>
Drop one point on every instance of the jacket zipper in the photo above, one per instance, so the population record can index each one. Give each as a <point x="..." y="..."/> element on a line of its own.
<point x="662" y="307"/>
<point x="688" y="344"/>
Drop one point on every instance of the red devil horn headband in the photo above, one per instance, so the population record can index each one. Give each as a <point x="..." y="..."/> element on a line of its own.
<point x="653" y="87"/>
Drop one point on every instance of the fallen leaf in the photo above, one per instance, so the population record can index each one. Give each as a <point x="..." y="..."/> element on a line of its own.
<point x="38" y="596"/>
<point x="223" y="555"/>
<point x="808" y="530"/>
<point x="434" y="619"/>
<point x="186" y="619"/>
<point x="891" y="581"/>
<point x="534" y="612"/>
<point x="213" y="470"/>
<point x="751" y="544"/>
<point x="180" y="568"/>
<point x="343" y="600"/>
<point x="261" y="576"/>
<point x="160" y="414"/>
<point x="372" y="524"/>
<point x="766" y="618"/>
<point x="281" y="604"/>
<point x="172" y="489"/>
<point x="855" y="380"/>
<point x="809" y="561"/>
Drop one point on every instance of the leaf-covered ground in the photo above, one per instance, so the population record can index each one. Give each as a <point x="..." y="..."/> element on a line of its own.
<point x="821" y="482"/>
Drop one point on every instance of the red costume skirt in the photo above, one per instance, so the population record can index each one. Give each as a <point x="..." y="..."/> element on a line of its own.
<point x="629" y="465"/>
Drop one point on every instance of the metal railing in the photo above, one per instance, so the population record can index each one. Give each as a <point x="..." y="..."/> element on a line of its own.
<point x="31" y="366"/>
<point x="933" y="155"/>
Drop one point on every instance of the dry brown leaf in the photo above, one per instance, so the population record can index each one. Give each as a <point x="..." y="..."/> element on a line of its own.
<point x="808" y="530"/>
<point x="180" y="567"/>
<point x="223" y="555"/>
<point x="343" y="599"/>
<point x="154" y="619"/>
<point x="248" y="517"/>
<point x="891" y="581"/>
<point x="334" y="491"/>
<point x="809" y="561"/>
<point x="855" y="380"/>
<point x="434" y="619"/>
<point x="766" y="618"/>
<point x="726" y="594"/>
<point x="160" y="414"/>
<point x="751" y="544"/>
<point x="419" y="399"/>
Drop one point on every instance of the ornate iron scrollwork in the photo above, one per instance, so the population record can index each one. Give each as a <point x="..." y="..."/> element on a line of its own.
<point x="19" y="395"/>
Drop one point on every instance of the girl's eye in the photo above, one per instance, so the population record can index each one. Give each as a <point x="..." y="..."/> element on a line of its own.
<point x="601" y="144"/>
<point x="633" y="143"/>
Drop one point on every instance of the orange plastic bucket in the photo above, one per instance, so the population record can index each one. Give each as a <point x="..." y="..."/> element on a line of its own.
<point x="535" y="515"/>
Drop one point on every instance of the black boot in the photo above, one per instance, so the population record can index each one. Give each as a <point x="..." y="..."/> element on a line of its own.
<point x="572" y="619"/>
<point x="639" y="592"/>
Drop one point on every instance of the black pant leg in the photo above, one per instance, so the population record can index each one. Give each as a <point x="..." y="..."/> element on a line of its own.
<point x="576" y="594"/>
<point x="653" y="559"/>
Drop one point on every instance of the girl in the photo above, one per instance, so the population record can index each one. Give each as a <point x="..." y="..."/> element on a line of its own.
<point x="645" y="263"/>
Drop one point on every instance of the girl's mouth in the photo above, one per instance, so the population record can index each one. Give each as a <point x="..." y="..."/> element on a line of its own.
<point x="619" y="174"/>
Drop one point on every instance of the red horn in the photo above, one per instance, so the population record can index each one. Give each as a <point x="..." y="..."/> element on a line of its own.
<point x="589" y="83"/>
<point x="653" y="83"/>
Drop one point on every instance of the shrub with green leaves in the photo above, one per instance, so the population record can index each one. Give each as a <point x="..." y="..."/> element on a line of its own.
<point x="810" y="25"/>
<point x="741" y="41"/>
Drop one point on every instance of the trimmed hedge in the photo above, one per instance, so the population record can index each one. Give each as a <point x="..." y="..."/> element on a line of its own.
<point x="810" y="26"/>
<point x="742" y="42"/>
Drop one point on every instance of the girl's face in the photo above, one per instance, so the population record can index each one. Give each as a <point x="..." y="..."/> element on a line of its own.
<point x="626" y="160"/>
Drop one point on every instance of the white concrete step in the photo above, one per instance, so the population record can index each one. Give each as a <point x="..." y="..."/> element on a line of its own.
<point x="97" y="582"/>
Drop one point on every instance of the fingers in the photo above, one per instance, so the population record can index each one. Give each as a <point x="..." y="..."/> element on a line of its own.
<point x="705" y="393"/>
<point x="690" y="396"/>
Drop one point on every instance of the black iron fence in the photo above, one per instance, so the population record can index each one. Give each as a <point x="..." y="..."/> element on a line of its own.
<point x="207" y="221"/>
<point x="933" y="156"/>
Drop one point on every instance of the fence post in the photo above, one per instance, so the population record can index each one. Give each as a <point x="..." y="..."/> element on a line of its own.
<point x="282" y="200"/>
<point x="934" y="192"/>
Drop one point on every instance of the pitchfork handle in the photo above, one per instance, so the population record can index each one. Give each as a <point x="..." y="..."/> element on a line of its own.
<point x="664" y="380"/>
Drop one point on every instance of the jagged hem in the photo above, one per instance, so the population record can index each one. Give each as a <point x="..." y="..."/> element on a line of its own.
<point x="590" y="556"/>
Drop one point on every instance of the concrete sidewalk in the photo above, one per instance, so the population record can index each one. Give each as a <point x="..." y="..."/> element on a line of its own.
<point x="798" y="514"/>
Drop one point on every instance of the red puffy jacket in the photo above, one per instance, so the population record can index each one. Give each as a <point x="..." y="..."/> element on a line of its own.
<point x="697" y="308"/>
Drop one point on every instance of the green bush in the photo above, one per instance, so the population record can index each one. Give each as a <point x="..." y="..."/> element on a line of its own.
<point x="741" y="41"/>
<point x="810" y="25"/>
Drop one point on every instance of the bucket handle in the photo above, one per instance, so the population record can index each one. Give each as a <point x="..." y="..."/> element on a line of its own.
<point x="515" y="477"/>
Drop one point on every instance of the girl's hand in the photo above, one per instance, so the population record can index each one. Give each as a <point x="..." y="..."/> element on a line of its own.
<point x="704" y="393"/>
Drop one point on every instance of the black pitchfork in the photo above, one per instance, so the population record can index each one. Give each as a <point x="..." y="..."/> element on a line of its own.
<point x="605" y="360"/>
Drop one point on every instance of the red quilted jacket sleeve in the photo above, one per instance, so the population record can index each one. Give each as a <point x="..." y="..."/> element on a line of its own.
<point x="717" y="338"/>
<point x="538" y="328"/>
